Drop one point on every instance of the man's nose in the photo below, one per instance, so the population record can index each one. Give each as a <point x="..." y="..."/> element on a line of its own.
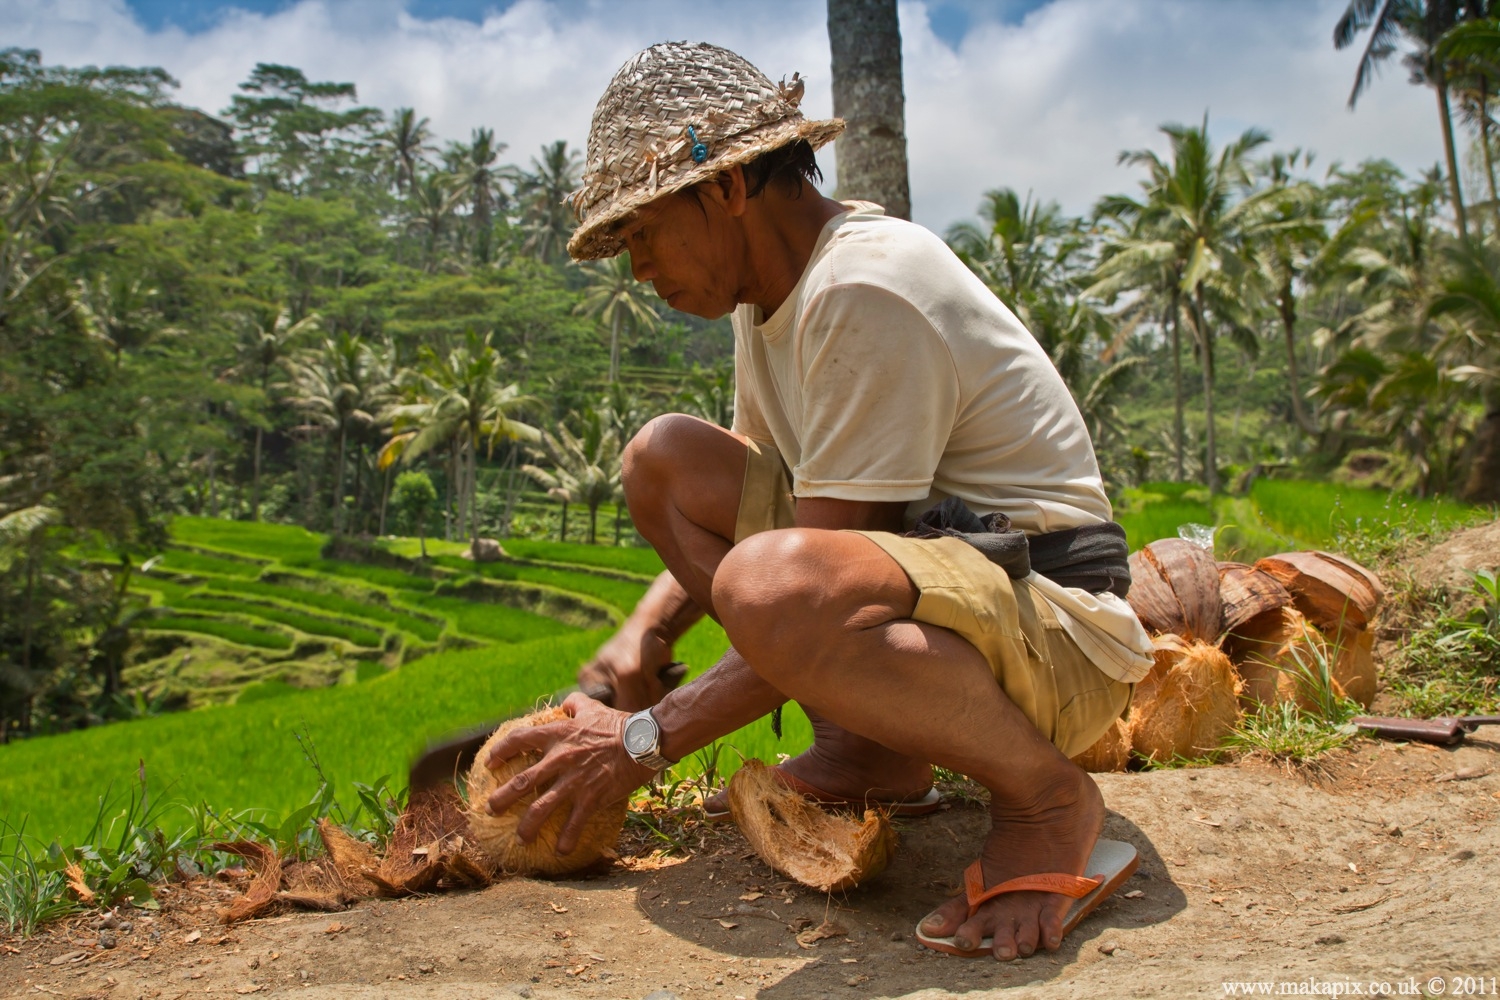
<point x="640" y="266"/>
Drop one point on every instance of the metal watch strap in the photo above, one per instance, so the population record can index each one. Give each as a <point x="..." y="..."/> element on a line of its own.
<point x="652" y="757"/>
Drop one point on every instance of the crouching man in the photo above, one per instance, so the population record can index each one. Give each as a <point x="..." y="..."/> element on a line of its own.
<point x="905" y="532"/>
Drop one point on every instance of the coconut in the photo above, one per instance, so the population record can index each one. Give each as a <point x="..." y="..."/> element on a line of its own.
<point x="1332" y="591"/>
<point x="1274" y="652"/>
<point x="1187" y="704"/>
<point x="1174" y="587"/>
<point x="1111" y="752"/>
<point x="497" y="834"/>
<point x="818" y="848"/>
<point x="1246" y="592"/>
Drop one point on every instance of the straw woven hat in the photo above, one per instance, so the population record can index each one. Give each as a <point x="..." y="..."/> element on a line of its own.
<point x="641" y="146"/>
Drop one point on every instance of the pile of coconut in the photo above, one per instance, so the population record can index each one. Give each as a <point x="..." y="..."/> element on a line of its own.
<point x="1230" y="637"/>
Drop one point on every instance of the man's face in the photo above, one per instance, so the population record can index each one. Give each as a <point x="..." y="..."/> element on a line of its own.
<point x="683" y="244"/>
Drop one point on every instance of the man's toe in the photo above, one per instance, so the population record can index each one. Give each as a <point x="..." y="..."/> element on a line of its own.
<point x="1027" y="936"/>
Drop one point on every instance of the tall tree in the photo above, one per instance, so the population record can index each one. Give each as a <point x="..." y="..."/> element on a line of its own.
<point x="864" y="37"/>
<point x="405" y="146"/>
<point x="479" y="180"/>
<point x="264" y="350"/>
<point x="1421" y="23"/>
<point x="616" y="300"/>
<point x="546" y="216"/>
<point x="586" y="465"/>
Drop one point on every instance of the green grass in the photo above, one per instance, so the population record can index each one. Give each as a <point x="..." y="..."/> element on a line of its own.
<point x="244" y="635"/>
<point x="183" y="561"/>
<point x="379" y="576"/>
<point x="284" y="543"/>
<point x="245" y="756"/>
<point x="311" y="624"/>
<point x="496" y="622"/>
<point x="631" y="560"/>
<point x="622" y="594"/>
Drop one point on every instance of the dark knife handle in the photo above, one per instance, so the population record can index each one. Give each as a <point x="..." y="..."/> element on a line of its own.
<point x="1473" y="722"/>
<point x="670" y="675"/>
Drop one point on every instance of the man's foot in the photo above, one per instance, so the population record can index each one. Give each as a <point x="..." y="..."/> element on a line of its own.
<point x="843" y="766"/>
<point x="1054" y="833"/>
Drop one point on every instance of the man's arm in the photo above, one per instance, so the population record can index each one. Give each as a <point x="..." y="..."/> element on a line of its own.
<point x="585" y="763"/>
<point x="631" y="659"/>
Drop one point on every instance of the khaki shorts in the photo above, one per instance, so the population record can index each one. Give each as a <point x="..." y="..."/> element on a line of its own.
<point x="1039" y="667"/>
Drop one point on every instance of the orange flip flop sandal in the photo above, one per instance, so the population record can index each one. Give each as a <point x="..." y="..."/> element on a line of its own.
<point x="922" y="805"/>
<point x="1112" y="861"/>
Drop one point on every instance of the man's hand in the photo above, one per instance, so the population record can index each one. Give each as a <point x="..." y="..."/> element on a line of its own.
<point x="585" y="767"/>
<point x="629" y="664"/>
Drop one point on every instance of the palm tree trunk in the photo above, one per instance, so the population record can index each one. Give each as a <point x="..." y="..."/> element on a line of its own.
<point x="1484" y="142"/>
<point x="255" y="480"/>
<point x="1287" y="306"/>
<point x="338" y="485"/>
<point x="614" y="348"/>
<point x="1454" y="187"/>
<point x="473" y="493"/>
<point x="1177" y="423"/>
<point x="1211" y="458"/>
<point x="562" y="531"/>
<point x="618" y="505"/>
<point x="864" y="38"/>
<point x="385" y="496"/>
<point x="213" y="485"/>
<point x="593" y="522"/>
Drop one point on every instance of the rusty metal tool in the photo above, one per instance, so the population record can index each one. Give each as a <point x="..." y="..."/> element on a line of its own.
<point x="1445" y="731"/>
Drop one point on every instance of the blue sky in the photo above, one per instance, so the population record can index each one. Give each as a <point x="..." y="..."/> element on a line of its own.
<point x="950" y="20"/>
<point x="1036" y="95"/>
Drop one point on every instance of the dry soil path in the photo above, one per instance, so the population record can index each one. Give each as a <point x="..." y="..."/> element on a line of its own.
<point x="1384" y="871"/>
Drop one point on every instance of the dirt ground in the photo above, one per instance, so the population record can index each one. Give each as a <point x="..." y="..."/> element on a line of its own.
<point x="1385" y="869"/>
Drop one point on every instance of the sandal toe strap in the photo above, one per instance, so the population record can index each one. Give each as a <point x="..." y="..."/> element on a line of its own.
<point x="1076" y="886"/>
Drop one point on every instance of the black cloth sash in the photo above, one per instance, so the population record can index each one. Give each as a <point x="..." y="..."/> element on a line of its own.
<point x="1092" y="557"/>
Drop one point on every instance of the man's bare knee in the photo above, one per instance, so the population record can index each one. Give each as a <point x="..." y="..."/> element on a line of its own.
<point x="772" y="594"/>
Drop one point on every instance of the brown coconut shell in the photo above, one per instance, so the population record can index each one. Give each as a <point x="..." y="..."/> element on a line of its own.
<point x="1174" y="587"/>
<point x="497" y="834"/>
<point x="824" y="850"/>
<point x="1245" y="592"/>
<point x="1332" y="591"/>
<point x="1111" y="752"/>
<point x="1187" y="704"/>
<point x="1272" y="650"/>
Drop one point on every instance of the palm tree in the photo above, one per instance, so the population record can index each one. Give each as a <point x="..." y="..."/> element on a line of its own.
<point x="1421" y="23"/>
<point x="479" y="179"/>
<point x="546" y="215"/>
<point x="405" y="146"/>
<point x="864" y="37"/>
<point x="1191" y="227"/>
<point x="613" y="297"/>
<point x="1290" y="245"/>
<point x="461" y="403"/>
<point x="709" y="393"/>
<point x="263" y="349"/>
<point x="1467" y="308"/>
<point x="433" y="200"/>
<point x="586" y="466"/>
<point x="343" y="387"/>
<point x="119" y="310"/>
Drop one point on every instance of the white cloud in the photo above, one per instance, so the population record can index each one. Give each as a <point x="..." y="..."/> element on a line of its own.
<point x="1044" y="105"/>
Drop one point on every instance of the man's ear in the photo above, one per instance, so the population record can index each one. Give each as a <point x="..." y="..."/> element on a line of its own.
<point x="728" y="188"/>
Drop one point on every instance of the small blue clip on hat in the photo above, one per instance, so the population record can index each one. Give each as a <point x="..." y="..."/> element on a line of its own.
<point x="700" y="151"/>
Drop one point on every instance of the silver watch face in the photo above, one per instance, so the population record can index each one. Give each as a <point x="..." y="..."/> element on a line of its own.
<point x="640" y="736"/>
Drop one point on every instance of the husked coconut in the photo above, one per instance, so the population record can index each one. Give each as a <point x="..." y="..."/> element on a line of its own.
<point x="1331" y="591"/>
<point x="1246" y="592"/>
<point x="497" y="834"/>
<point x="820" y="849"/>
<point x="1187" y="704"/>
<point x="1111" y="752"/>
<point x="1174" y="587"/>
<point x="1276" y="652"/>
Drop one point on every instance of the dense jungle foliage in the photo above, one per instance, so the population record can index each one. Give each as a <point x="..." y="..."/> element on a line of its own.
<point x="305" y="310"/>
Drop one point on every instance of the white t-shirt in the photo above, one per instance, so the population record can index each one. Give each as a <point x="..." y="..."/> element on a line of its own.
<point x="892" y="373"/>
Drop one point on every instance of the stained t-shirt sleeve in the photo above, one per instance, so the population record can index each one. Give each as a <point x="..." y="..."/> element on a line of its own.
<point x="879" y="394"/>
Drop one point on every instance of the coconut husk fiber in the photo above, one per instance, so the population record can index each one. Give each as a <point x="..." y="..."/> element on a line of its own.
<point x="1174" y="588"/>
<point x="1331" y="591"/>
<point x="1273" y="652"/>
<point x="497" y="834"/>
<point x="1111" y="752"/>
<point x="1246" y="592"/>
<point x="1187" y="704"/>
<point x="820" y="849"/>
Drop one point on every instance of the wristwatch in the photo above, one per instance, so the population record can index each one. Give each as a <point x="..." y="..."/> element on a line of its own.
<point x="642" y="739"/>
